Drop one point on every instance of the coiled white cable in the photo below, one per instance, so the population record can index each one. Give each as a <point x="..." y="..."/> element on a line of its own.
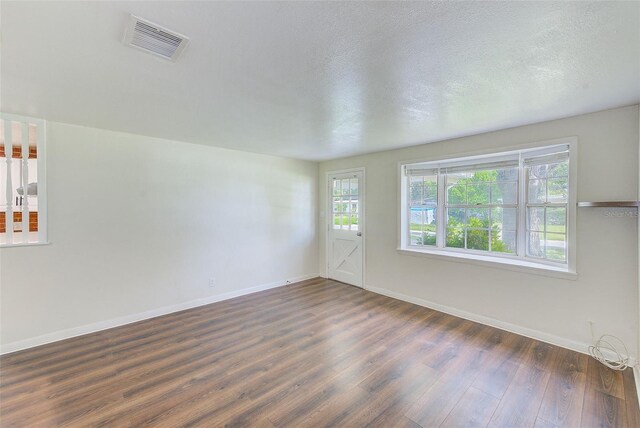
<point x="604" y="344"/>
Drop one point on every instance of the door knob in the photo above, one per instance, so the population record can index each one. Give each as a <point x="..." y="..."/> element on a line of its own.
<point x="359" y="234"/>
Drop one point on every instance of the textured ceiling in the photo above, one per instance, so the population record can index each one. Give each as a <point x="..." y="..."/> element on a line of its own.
<point x="320" y="80"/>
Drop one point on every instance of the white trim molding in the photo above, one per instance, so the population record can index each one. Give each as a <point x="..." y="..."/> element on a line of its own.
<point x="128" y="319"/>
<point x="562" y="342"/>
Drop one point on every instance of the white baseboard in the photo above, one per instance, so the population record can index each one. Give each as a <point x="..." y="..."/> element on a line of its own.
<point x="573" y="345"/>
<point x="128" y="319"/>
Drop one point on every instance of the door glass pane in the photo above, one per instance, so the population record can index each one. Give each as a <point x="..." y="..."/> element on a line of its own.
<point x="345" y="204"/>
<point x="337" y="220"/>
<point x="336" y="187"/>
<point x="345" y="186"/>
<point x="353" y="186"/>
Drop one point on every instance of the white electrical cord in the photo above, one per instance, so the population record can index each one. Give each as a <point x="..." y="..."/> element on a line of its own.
<point x="621" y="362"/>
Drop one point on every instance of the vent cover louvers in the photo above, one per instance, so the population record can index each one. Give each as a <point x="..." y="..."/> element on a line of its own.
<point x="154" y="39"/>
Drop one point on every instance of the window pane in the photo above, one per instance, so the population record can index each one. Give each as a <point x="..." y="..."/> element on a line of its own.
<point x="504" y="218"/>
<point x="429" y="219"/>
<point x="535" y="244"/>
<point x="503" y="241"/>
<point x="427" y="238"/>
<point x="478" y="194"/>
<point x="504" y="193"/>
<point x="416" y="219"/>
<point x="478" y="240"/>
<point x="423" y="226"/>
<point x="558" y="189"/>
<point x="415" y="193"/>
<point x="430" y="193"/>
<point x="558" y="170"/>
<point x="508" y="174"/>
<point x="456" y="194"/>
<point x="455" y="237"/>
<point x="478" y="217"/>
<point x="556" y="247"/>
<point x="353" y="186"/>
<point x="556" y="220"/>
<point x="537" y="191"/>
<point x="455" y="217"/>
<point x="415" y="237"/>
<point x="538" y="171"/>
<point x="535" y="219"/>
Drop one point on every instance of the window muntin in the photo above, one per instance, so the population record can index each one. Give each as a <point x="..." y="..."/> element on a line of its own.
<point x="513" y="205"/>
<point x="345" y="210"/>
<point x="546" y="209"/>
<point x="423" y="203"/>
<point x="481" y="207"/>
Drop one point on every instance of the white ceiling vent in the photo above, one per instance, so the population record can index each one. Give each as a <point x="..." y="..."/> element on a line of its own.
<point x="154" y="39"/>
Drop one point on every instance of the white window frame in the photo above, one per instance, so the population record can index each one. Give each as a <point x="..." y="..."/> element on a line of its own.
<point x="519" y="261"/>
<point x="42" y="177"/>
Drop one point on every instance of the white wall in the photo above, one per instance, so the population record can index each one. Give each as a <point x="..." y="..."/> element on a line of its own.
<point x="138" y="226"/>
<point x="556" y="310"/>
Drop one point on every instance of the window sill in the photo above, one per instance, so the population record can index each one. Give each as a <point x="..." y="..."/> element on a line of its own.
<point x="29" y="244"/>
<point x="494" y="262"/>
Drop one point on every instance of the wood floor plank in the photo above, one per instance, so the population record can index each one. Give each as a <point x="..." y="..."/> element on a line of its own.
<point x="563" y="399"/>
<point x="605" y="380"/>
<point x="631" y="398"/>
<point x="315" y="353"/>
<point x="474" y="409"/>
<point x="497" y="374"/>
<point x="520" y="404"/>
<point x="603" y="410"/>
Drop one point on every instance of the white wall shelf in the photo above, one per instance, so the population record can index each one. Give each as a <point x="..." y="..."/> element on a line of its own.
<point x="609" y="204"/>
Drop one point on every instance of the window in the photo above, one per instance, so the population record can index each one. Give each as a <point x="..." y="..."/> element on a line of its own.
<point x="345" y="203"/>
<point x="513" y="207"/>
<point x="22" y="184"/>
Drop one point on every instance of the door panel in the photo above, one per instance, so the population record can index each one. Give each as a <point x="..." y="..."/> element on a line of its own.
<point x="345" y="228"/>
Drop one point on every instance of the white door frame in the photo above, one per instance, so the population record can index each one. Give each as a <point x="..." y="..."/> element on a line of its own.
<point x="329" y="217"/>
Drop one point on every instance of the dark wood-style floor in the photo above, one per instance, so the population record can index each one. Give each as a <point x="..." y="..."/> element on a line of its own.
<point x="316" y="353"/>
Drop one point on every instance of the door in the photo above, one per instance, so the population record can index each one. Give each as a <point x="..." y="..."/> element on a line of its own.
<point x="345" y="249"/>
